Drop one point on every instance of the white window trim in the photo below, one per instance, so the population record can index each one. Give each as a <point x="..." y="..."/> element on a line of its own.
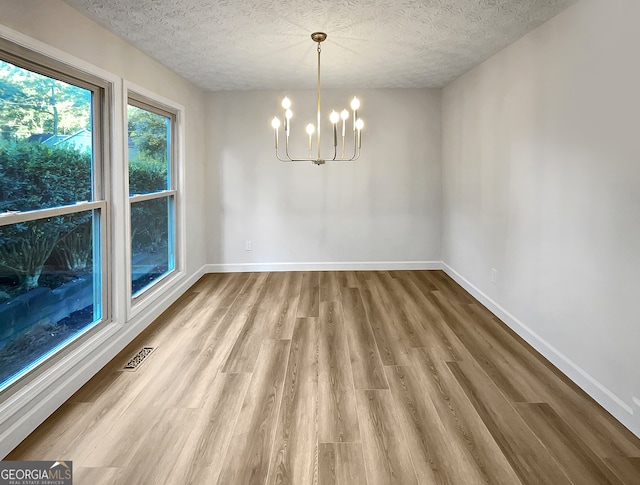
<point x="109" y="82"/>
<point x="142" y="301"/>
<point x="34" y="397"/>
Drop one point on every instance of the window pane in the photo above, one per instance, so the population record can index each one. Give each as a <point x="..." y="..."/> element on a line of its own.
<point x="149" y="151"/>
<point x="46" y="143"/>
<point x="151" y="241"/>
<point x="50" y="287"/>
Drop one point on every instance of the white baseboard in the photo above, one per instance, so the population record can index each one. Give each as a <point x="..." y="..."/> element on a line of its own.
<point x="25" y="410"/>
<point x="328" y="266"/>
<point x="604" y="396"/>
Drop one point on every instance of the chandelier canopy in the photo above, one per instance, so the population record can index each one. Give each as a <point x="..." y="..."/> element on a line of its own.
<point x="334" y="117"/>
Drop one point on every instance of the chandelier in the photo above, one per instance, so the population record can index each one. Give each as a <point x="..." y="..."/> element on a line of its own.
<point x="334" y="117"/>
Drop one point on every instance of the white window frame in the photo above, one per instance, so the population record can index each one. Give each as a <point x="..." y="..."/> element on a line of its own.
<point x="149" y="295"/>
<point x="25" y="53"/>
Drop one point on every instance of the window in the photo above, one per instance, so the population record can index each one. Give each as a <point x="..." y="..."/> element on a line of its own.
<point x="152" y="191"/>
<point x="52" y="208"/>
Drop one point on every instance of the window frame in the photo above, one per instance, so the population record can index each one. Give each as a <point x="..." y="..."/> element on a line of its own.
<point x="145" y="99"/>
<point x="102" y="88"/>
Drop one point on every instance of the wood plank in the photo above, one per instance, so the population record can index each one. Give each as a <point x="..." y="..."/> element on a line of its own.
<point x="158" y="448"/>
<point x="481" y="349"/>
<point x="208" y="443"/>
<point x="341" y="464"/>
<point x="576" y="459"/>
<point x="436" y="331"/>
<point x="124" y="421"/>
<point x="248" y="455"/>
<point x="443" y="438"/>
<point x="399" y="306"/>
<point x="453" y="291"/>
<point x="386" y="332"/>
<point x="282" y="299"/>
<point x="347" y="279"/>
<point x="244" y="353"/>
<point x="386" y="454"/>
<point x="363" y="351"/>
<point x="521" y="374"/>
<point x="464" y="428"/>
<point x="329" y="286"/>
<point x="98" y="476"/>
<point x="309" y="295"/>
<point x="337" y="409"/>
<point x="294" y="456"/>
<point x="421" y="280"/>
<point x="526" y="455"/>
<point x="184" y="379"/>
<point x="626" y="468"/>
<point x="215" y="291"/>
<point x="538" y="378"/>
<point x="57" y="435"/>
<point x="423" y="430"/>
<point x="78" y="435"/>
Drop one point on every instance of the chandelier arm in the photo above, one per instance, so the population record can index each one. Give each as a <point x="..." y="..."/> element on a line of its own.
<point x="286" y="150"/>
<point x="356" y="152"/>
<point x="355" y="144"/>
<point x="302" y="160"/>
<point x="280" y="158"/>
<point x="356" y="155"/>
<point x="355" y="148"/>
<point x="289" y="159"/>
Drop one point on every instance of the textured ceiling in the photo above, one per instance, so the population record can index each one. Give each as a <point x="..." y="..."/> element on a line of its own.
<point x="266" y="44"/>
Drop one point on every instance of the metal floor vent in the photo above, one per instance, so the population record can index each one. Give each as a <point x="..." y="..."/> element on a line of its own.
<point x="137" y="359"/>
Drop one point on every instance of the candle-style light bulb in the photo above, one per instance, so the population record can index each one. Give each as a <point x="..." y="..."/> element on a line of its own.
<point x="286" y="103"/>
<point x="310" y="130"/>
<point x="345" y="116"/>
<point x="334" y="117"/>
<point x="355" y="105"/>
<point x="288" y="114"/>
<point x="359" y="126"/>
<point x="275" y="123"/>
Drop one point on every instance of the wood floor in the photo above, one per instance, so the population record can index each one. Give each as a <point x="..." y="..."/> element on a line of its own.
<point x="334" y="378"/>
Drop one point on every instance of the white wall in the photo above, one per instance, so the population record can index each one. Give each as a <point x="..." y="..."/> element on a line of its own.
<point x="381" y="211"/>
<point x="57" y="30"/>
<point x="541" y="180"/>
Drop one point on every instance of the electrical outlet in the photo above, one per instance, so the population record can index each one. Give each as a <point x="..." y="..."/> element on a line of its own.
<point x="247" y="246"/>
<point x="494" y="275"/>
